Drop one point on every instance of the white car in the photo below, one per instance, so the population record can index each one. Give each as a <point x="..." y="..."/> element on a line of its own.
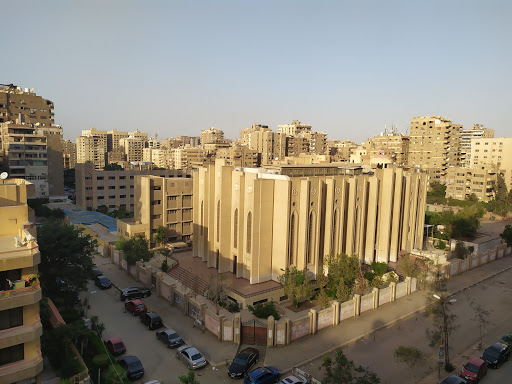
<point x="190" y="356"/>
<point x="294" y="379"/>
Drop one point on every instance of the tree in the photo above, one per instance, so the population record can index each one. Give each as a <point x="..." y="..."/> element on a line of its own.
<point x="189" y="378"/>
<point x="501" y="189"/>
<point x="134" y="249"/>
<point x="465" y="226"/>
<point x="506" y="235"/>
<point x="102" y="209"/>
<point x="408" y="266"/>
<point x="66" y="253"/>
<point x="461" y="251"/>
<point x="343" y="370"/>
<point x="215" y="290"/>
<point x="342" y="272"/>
<point x="410" y="356"/>
<point x="112" y="167"/>
<point x="160" y="237"/>
<point x="321" y="282"/>
<point x="121" y="212"/>
<point x="437" y="193"/>
<point x="481" y="318"/>
<point x="296" y="284"/>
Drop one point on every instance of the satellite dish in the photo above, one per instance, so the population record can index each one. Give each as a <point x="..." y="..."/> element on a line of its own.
<point x="4" y="175"/>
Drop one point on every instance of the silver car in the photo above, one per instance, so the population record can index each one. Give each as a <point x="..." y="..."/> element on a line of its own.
<point x="190" y="356"/>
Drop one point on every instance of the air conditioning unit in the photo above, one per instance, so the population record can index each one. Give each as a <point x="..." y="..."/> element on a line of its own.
<point x="17" y="241"/>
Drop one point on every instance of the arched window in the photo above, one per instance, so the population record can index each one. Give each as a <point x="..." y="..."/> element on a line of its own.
<point x="202" y="224"/>
<point x="291" y="248"/>
<point x="311" y="238"/>
<point x="235" y="229"/>
<point x="334" y="232"/>
<point x="218" y="220"/>
<point x="249" y="231"/>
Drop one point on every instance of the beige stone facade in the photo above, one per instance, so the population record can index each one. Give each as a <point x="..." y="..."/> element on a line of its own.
<point x="69" y="154"/>
<point x="467" y="135"/>
<point x="132" y="147"/>
<point x="20" y="347"/>
<point x="161" y="157"/>
<point x="257" y="222"/>
<point x="161" y="201"/>
<point x="496" y="151"/>
<point x="91" y="148"/>
<point x="111" y="188"/>
<point x="434" y="145"/>
<point x="212" y="135"/>
<point x="461" y="182"/>
<point x="395" y="146"/>
<point x="239" y="156"/>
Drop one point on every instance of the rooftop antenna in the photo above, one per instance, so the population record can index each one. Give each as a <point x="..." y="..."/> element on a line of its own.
<point x="4" y="175"/>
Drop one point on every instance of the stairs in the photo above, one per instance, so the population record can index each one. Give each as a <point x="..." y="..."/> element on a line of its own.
<point x="188" y="279"/>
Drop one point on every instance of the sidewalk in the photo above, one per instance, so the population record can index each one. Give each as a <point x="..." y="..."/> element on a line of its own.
<point x="309" y="348"/>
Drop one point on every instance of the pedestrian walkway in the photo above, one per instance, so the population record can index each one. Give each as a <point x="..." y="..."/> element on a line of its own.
<point x="312" y="347"/>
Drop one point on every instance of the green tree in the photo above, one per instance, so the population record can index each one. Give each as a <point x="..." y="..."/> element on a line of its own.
<point x="160" y="237"/>
<point x="134" y="249"/>
<point x="113" y="167"/>
<point x="465" y="226"/>
<point x="102" y="209"/>
<point x="461" y="251"/>
<point x="121" y="212"/>
<point x="436" y="194"/>
<point x="408" y="266"/>
<point x="342" y="272"/>
<point x="189" y="378"/>
<point x="296" y="284"/>
<point x="410" y="356"/>
<point x="66" y="252"/>
<point x="343" y="370"/>
<point x="501" y="189"/>
<point x="506" y="235"/>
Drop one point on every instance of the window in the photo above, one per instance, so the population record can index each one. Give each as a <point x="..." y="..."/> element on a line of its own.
<point x="156" y="202"/>
<point x="99" y="178"/>
<point x="100" y="188"/>
<point x="311" y="238"/>
<point x="218" y="220"/>
<point x="235" y="229"/>
<point x="112" y="187"/>
<point x="111" y="177"/>
<point x="157" y="216"/>
<point x="171" y="198"/>
<point x="291" y="248"/>
<point x="201" y="229"/>
<point x="249" y="232"/>
<point x="157" y="188"/>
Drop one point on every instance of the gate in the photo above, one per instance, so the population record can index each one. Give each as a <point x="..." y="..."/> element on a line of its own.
<point x="254" y="332"/>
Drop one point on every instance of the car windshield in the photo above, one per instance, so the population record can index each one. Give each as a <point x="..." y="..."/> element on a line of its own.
<point x="118" y="345"/>
<point x="134" y="365"/>
<point x="491" y="354"/>
<point x="251" y="379"/>
<point x="197" y="356"/>
<point x="471" y="368"/>
<point x="240" y="360"/>
<point x="140" y="306"/>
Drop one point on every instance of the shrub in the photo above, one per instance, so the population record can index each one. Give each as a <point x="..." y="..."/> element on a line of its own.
<point x="264" y="310"/>
<point x="441" y="245"/>
<point x="100" y="361"/>
<point x="233" y="307"/>
<point x="164" y="266"/>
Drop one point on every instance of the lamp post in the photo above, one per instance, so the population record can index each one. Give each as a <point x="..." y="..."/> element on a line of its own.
<point x="443" y="301"/>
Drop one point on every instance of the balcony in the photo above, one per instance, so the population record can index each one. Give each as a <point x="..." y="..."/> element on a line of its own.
<point x="20" y="297"/>
<point x="21" y="334"/>
<point x="21" y="370"/>
<point x="15" y="256"/>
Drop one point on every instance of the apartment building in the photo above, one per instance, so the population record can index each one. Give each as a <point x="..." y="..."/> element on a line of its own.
<point x="270" y="145"/>
<point x="462" y="182"/>
<point x="132" y="147"/>
<point x="392" y="144"/>
<point x="256" y="223"/>
<point x="69" y="154"/>
<point x="25" y="156"/>
<point x="91" y="148"/>
<point x="212" y="135"/>
<point x="161" y="157"/>
<point x="111" y="188"/>
<point x="239" y="156"/>
<point x="301" y="139"/>
<point x="340" y="150"/>
<point x="496" y="151"/>
<point x="245" y="134"/>
<point x="55" y="150"/>
<point x="434" y="145"/>
<point x="161" y="201"/>
<point x="467" y="135"/>
<point x="21" y="360"/>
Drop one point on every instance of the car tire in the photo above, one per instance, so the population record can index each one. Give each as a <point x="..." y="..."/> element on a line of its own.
<point x="149" y="328"/>
<point x="189" y="366"/>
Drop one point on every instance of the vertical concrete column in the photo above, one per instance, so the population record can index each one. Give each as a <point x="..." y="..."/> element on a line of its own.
<point x="470" y="262"/>
<point x="186" y="298"/>
<point x="288" y="338"/>
<point x="149" y="273"/>
<point x="221" y="327"/>
<point x="478" y="258"/>
<point x="158" y="284"/>
<point x="202" y="309"/>
<point x="375" y="292"/>
<point x="335" y="312"/>
<point x="408" y="284"/>
<point x="497" y="250"/>
<point x="270" y="331"/>
<point x="237" y="329"/>
<point x="392" y="297"/>
<point x="172" y="288"/>
<point x="357" y="305"/>
<point x="313" y="321"/>
<point x="138" y="267"/>
<point x="459" y="262"/>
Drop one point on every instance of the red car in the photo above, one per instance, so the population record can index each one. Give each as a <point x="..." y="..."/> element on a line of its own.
<point x="474" y="370"/>
<point x="115" y="345"/>
<point x="135" y="306"/>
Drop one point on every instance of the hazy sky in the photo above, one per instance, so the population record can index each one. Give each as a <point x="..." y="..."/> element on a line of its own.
<point x="345" y="67"/>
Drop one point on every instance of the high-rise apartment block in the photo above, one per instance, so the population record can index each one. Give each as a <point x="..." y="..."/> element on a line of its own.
<point x="467" y="135"/>
<point x="301" y="139"/>
<point x="212" y="135"/>
<point x="91" y="148"/>
<point x="160" y="201"/>
<point x="239" y="156"/>
<point x="434" y="145"/>
<point x="256" y="223"/>
<point x="69" y="154"/>
<point x="161" y="157"/>
<point x="340" y="150"/>
<point x="391" y="144"/>
<point x="132" y="147"/>
<point x="21" y="360"/>
<point x="497" y="151"/>
<point x="462" y="182"/>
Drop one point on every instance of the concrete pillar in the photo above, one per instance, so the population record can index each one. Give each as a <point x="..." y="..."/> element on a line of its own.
<point x="158" y="284"/>
<point x="408" y="284"/>
<point x="375" y="292"/>
<point x="237" y="328"/>
<point x="459" y="263"/>
<point x="270" y="331"/>
<point x="392" y="297"/>
<point x="313" y="321"/>
<point x="497" y="249"/>
<point x="202" y="309"/>
<point x="335" y="312"/>
<point x="470" y="262"/>
<point x="221" y="327"/>
<point x="357" y="305"/>
<point x="288" y="338"/>
<point x="186" y="298"/>
<point x="149" y="273"/>
<point x="478" y="258"/>
<point x="172" y="288"/>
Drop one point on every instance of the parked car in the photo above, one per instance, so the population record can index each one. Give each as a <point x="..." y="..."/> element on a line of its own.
<point x="190" y="356"/>
<point x="102" y="282"/>
<point x="507" y="339"/>
<point x="132" y="366"/>
<point x="134" y="293"/>
<point x="243" y="362"/>
<point x="135" y="307"/>
<point x="496" y="355"/>
<point x="474" y="370"/>
<point x="453" y="380"/>
<point x="295" y="379"/>
<point x="96" y="272"/>
<point x="262" y="375"/>
<point x="169" y="337"/>
<point x="115" y="345"/>
<point x="151" y="320"/>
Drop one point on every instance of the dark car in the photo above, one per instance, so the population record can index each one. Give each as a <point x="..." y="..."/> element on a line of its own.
<point x="151" y="320"/>
<point x="474" y="370"/>
<point x="169" y="337"/>
<point x="96" y="272"/>
<point x="243" y="362"/>
<point x="496" y="355"/>
<point x="134" y="293"/>
<point x="135" y="307"/>
<point x="262" y="375"/>
<point x="453" y="380"/>
<point x="103" y="282"/>
<point x="506" y="339"/>
<point x="132" y="366"/>
<point x="115" y="345"/>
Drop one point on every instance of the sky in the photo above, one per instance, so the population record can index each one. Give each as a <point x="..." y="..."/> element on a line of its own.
<point x="348" y="68"/>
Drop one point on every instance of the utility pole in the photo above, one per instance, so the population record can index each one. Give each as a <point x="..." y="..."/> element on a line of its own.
<point x="443" y="301"/>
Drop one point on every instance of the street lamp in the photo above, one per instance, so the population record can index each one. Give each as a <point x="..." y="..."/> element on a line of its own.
<point x="444" y="341"/>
